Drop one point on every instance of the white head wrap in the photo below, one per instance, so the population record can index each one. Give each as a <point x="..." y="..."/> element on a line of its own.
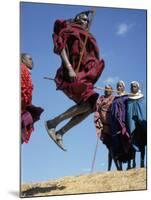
<point x="135" y="82"/>
<point x="120" y="93"/>
<point x="139" y="93"/>
<point x="122" y="82"/>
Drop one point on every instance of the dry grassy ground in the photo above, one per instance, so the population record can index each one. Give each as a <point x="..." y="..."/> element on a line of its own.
<point x="134" y="179"/>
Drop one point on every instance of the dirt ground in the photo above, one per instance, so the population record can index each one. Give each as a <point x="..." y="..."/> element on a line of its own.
<point x="134" y="179"/>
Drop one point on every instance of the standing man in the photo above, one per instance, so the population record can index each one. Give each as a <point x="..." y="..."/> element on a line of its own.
<point x="102" y="115"/>
<point x="120" y="137"/>
<point x="29" y="112"/>
<point x="134" y="106"/>
<point x="80" y="69"/>
<point x="102" y="120"/>
<point x="136" y="121"/>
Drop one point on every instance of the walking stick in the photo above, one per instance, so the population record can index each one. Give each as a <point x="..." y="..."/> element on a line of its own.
<point x="49" y="78"/>
<point x="85" y="42"/>
<point x="98" y="88"/>
<point x="94" y="157"/>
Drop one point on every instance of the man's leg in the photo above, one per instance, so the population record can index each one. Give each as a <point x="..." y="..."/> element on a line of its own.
<point x="71" y="112"/>
<point x="74" y="121"/>
<point x="134" y="159"/>
<point x="142" y="157"/>
<point x="78" y="113"/>
<point x="109" y="160"/>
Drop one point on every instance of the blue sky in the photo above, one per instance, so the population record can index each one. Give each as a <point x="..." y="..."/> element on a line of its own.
<point x="121" y="37"/>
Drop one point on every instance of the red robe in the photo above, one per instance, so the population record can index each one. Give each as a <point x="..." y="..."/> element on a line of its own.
<point x="26" y="99"/>
<point x="103" y="112"/>
<point x="71" y="36"/>
<point x="29" y="113"/>
<point x="26" y="87"/>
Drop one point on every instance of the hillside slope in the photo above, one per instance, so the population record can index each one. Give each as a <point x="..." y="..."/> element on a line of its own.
<point x="134" y="179"/>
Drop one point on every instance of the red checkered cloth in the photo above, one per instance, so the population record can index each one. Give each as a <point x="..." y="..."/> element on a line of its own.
<point x="29" y="113"/>
<point x="26" y="99"/>
<point x="26" y="87"/>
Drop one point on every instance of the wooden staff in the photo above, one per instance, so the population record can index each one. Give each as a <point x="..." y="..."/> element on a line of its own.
<point x="101" y="88"/>
<point x="94" y="156"/>
<point x="85" y="42"/>
<point x="98" y="88"/>
<point x="49" y="78"/>
<point x="125" y="93"/>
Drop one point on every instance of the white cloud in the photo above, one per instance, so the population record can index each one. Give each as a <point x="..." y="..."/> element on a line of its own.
<point x="123" y="28"/>
<point x="111" y="80"/>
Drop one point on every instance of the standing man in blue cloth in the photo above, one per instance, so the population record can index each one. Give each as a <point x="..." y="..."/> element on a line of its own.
<point x="136" y="121"/>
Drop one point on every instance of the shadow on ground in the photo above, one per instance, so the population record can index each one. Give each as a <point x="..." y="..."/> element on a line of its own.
<point x="36" y="190"/>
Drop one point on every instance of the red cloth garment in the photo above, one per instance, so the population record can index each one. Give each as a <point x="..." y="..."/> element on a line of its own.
<point x="26" y="126"/>
<point x="26" y="99"/>
<point x="29" y="113"/>
<point x="103" y="109"/>
<point x="26" y="87"/>
<point x="71" y="36"/>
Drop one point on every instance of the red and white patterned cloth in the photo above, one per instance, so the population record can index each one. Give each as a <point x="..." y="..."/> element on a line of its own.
<point x="103" y="109"/>
<point x="26" y="99"/>
<point x="26" y="87"/>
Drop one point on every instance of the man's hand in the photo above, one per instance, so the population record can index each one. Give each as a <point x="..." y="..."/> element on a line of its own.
<point x="68" y="66"/>
<point x="72" y="74"/>
<point x="99" y="124"/>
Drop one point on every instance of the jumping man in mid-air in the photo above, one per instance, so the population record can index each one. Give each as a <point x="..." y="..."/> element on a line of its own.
<point x="76" y="47"/>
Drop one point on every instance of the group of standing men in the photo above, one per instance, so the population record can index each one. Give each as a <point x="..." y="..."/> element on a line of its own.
<point x="80" y="68"/>
<point x="117" y="119"/>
